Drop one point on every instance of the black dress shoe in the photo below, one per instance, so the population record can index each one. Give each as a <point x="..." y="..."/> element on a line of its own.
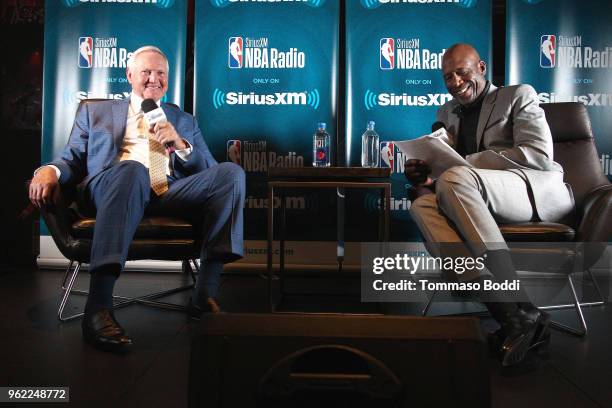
<point x="520" y="328"/>
<point x="195" y="311"/>
<point x="102" y="331"/>
<point x="541" y="338"/>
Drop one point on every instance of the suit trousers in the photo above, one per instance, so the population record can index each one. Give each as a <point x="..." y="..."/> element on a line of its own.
<point x="461" y="218"/>
<point x="122" y="195"/>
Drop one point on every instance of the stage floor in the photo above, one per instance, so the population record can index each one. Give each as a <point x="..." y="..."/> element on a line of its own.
<point x="37" y="350"/>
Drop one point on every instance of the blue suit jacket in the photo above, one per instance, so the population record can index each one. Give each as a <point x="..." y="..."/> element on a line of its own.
<point x="97" y="135"/>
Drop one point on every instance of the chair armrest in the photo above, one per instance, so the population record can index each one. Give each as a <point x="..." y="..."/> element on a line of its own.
<point x="596" y="216"/>
<point x="59" y="219"/>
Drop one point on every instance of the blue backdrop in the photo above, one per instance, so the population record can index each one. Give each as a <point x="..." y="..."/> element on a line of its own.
<point x="87" y="44"/>
<point x="394" y="53"/>
<point x="564" y="49"/>
<point x="265" y="74"/>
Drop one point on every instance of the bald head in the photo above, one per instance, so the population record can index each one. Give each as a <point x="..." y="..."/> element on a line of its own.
<point x="462" y="50"/>
<point x="464" y="72"/>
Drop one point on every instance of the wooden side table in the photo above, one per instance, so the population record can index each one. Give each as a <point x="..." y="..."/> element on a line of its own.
<point x="340" y="178"/>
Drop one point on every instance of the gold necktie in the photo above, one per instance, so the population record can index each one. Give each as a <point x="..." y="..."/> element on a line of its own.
<point x="157" y="161"/>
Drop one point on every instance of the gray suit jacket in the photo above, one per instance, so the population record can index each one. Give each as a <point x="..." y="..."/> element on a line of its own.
<point x="513" y="135"/>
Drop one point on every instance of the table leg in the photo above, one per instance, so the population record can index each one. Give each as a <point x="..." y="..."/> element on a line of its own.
<point x="281" y="268"/>
<point x="387" y="211"/>
<point x="270" y="241"/>
<point x="340" y="207"/>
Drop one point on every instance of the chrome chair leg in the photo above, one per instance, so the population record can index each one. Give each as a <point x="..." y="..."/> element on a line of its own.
<point x="582" y="331"/>
<point x="601" y="297"/>
<point x="429" y="303"/>
<point x="67" y="291"/>
<point x="123" y="300"/>
<point x="66" y="274"/>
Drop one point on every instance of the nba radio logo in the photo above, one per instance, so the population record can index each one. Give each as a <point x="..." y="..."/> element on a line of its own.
<point x="235" y="52"/>
<point x="85" y="52"/>
<point x="387" y="53"/>
<point x="387" y="155"/>
<point x="548" y="45"/>
<point x="234" y="151"/>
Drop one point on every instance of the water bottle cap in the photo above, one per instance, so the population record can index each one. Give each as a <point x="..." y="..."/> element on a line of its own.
<point x="321" y="125"/>
<point x="371" y="124"/>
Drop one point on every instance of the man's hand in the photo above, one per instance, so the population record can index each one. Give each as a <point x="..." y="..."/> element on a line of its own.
<point x="44" y="188"/>
<point x="166" y="135"/>
<point x="417" y="172"/>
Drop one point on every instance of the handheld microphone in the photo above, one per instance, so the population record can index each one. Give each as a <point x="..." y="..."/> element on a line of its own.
<point x="437" y="126"/>
<point x="152" y="113"/>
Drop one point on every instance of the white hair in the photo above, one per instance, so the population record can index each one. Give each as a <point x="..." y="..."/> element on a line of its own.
<point x="146" y="48"/>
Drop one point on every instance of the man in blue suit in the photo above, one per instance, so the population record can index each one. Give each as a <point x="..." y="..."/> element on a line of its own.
<point x="111" y="158"/>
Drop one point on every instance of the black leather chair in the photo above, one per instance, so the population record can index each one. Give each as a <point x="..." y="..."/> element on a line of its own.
<point x="157" y="238"/>
<point x="579" y="242"/>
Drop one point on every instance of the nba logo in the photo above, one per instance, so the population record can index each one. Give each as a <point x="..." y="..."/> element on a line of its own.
<point x="235" y="52"/>
<point x="387" y="155"/>
<point x="85" y="52"/>
<point x="234" y="151"/>
<point x="548" y="45"/>
<point x="387" y="53"/>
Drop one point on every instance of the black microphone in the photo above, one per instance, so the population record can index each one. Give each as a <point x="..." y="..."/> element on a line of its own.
<point x="437" y="126"/>
<point x="152" y="113"/>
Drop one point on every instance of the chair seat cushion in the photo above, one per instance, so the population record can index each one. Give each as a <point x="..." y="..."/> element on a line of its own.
<point x="537" y="232"/>
<point x="149" y="227"/>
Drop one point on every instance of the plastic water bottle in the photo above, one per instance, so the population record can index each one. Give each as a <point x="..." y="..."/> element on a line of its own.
<point x="321" y="147"/>
<point x="370" y="148"/>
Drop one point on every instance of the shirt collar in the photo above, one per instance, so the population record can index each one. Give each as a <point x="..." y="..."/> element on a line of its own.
<point x="136" y="102"/>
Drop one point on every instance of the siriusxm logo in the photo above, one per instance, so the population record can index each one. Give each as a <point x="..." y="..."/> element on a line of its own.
<point x="373" y="203"/>
<point x="308" y="98"/>
<point x="372" y="4"/>
<point x="372" y="100"/>
<point x="101" y="53"/>
<point x="406" y="54"/>
<point x="255" y="53"/>
<point x="254" y="156"/>
<point x="225" y="3"/>
<point x="591" y="99"/>
<point x="158" y="3"/>
<point x="569" y="52"/>
<point x="73" y="97"/>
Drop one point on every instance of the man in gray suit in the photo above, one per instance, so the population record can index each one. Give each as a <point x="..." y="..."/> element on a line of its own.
<point x="503" y="135"/>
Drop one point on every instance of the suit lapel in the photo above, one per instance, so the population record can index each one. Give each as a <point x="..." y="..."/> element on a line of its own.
<point x="453" y="124"/>
<point x="120" y="111"/>
<point x="170" y="114"/>
<point x="171" y="117"/>
<point x="485" y="113"/>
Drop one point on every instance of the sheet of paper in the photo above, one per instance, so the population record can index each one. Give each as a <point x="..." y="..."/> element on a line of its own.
<point x="434" y="150"/>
